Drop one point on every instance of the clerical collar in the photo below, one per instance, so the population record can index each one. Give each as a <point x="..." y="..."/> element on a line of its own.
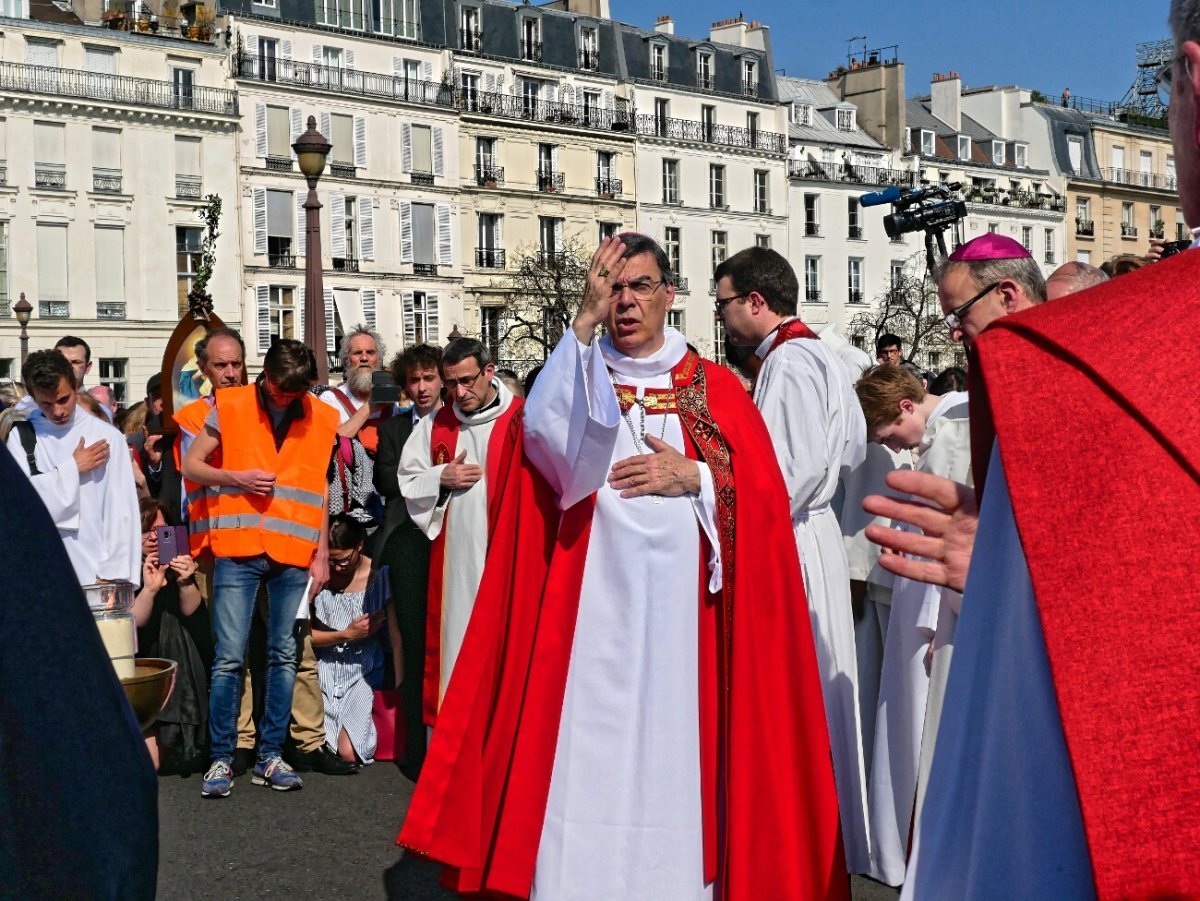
<point x="662" y="360"/>
<point x="764" y="347"/>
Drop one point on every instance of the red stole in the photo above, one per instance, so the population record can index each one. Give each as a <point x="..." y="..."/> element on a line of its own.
<point x="789" y="331"/>
<point x="1110" y="530"/>
<point x="443" y="444"/>
<point x="368" y="435"/>
<point x="481" y="800"/>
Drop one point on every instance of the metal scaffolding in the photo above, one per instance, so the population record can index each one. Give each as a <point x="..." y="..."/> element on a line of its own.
<point x="1142" y="97"/>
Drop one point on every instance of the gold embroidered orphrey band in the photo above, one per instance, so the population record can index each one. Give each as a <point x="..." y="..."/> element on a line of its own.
<point x="655" y="401"/>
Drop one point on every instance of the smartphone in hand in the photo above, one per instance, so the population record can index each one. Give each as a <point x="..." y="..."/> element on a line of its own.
<point x="172" y="543"/>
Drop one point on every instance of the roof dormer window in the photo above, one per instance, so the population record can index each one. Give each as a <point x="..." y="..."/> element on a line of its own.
<point x="658" y="62"/>
<point x="704" y="70"/>
<point x="1021" y="155"/>
<point x="998" y="153"/>
<point x="964" y="147"/>
<point x="802" y="113"/>
<point x="846" y="120"/>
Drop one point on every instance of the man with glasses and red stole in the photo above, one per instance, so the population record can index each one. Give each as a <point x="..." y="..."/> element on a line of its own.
<point x="269" y="525"/>
<point x="636" y="711"/>
<point x="452" y="471"/>
<point x="806" y="396"/>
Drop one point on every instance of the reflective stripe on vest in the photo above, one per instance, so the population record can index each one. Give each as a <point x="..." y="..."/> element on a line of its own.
<point x="255" y="521"/>
<point x="283" y="492"/>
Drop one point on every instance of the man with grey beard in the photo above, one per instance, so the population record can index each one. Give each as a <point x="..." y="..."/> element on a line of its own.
<point x="350" y="488"/>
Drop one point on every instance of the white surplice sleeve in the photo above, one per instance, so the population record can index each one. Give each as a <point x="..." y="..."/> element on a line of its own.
<point x="705" y="505"/>
<point x="794" y="401"/>
<point x="949" y="456"/>
<point x="58" y="488"/>
<point x="421" y="481"/>
<point x="121" y="538"/>
<point x="571" y="421"/>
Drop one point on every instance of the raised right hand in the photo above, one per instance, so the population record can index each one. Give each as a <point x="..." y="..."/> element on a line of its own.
<point x="255" y="481"/>
<point x="458" y="474"/>
<point x="606" y="268"/>
<point x="364" y="626"/>
<point x="91" y="456"/>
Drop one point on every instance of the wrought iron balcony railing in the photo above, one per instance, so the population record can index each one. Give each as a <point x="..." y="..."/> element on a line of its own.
<point x="812" y="295"/>
<point x="343" y="170"/>
<point x="710" y="133"/>
<point x="855" y="296"/>
<point x="762" y="208"/>
<point x="550" y="257"/>
<point x="1085" y="228"/>
<point x="856" y="233"/>
<point x="106" y="181"/>
<point x="551" y="182"/>
<point x="531" y="50"/>
<point x="281" y="260"/>
<point x="489" y="176"/>
<point x="704" y="80"/>
<point x="24" y="79"/>
<point x="425" y="269"/>
<point x="750" y="88"/>
<point x="681" y="284"/>
<point x="188" y="187"/>
<point x="1157" y="233"/>
<point x="608" y="187"/>
<point x="1129" y="231"/>
<point x="510" y="106"/>
<point x="809" y="170"/>
<point x="54" y="309"/>
<point x="717" y="203"/>
<point x="345" y="264"/>
<point x="49" y="177"/>
<point x="489" y="257"/>
<point x="421" y="178"/>
<point x="110" y="310"/>
<point x="812" y="229"/>
<point x="589" y="59"/>
<point x="1049" y="259"/>
<point x="658" y="73"/>
<point x="279" y="163"/>
<point x="1140" y="179"/>
<point x="344" y="81"/>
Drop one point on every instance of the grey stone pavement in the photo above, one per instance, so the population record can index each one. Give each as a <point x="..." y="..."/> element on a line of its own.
<point x="333" y="839"/>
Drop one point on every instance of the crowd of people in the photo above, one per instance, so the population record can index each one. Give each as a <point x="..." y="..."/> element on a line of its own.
<point x="665" y="630"/>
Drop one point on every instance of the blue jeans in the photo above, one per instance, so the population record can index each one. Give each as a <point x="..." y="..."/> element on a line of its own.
<point x="236" y="581"/>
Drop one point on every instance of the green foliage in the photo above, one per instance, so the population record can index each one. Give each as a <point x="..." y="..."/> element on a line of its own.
<point x="199" y="300"/>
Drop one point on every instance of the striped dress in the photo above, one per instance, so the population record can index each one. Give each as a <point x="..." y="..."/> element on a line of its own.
<point x="349" y="673"/>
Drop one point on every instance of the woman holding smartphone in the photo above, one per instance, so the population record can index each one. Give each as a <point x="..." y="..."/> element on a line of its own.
<point x="173" y="623"/>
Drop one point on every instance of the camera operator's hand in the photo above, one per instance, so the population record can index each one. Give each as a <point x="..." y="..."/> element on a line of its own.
<point x="606" y="268"/>
<point x="1154" y="254"/>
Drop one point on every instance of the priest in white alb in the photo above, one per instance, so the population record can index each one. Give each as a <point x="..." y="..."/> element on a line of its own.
<point x="636" y="704"/>
<point x="806" y="396"/>
<point x="452" y="471"/>
<point x="80" y="468"/>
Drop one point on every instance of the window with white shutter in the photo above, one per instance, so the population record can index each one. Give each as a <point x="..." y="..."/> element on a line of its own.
<point x="297" y="117"/>
<point x="262" y="306"/>
<point x="337" y="222"/>
<point x="366" y="229"/>
<point x="369" y="307"/>
<point x="408" y="317"/>
<point x="300" y="334"/>
<point x="260" y="130"/>
<point x="406" y="232"/>
<point x="432" y="328"/>
<point x="360" y="142"/>
<point x="444" y="235"/>
<point x="301" y="222"/>
<point x="406" y="154"/>
<point x="438" y="152"/>
<point x="331" y="331"/>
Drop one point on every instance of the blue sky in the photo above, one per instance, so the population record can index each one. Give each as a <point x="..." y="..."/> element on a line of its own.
<point x="1086" y="45"/>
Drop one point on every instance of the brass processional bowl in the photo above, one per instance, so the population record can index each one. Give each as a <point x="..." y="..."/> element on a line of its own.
<point x="149" y="688"/>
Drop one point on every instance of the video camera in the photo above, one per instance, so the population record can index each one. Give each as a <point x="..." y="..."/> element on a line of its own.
<point x="930" y="209"/>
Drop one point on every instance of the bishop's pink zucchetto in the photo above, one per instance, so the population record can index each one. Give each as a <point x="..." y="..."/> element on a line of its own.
<point x="990" y="247"/>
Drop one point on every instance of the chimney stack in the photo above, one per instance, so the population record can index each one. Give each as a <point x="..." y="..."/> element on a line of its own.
<point x="729" y="31"/>
<point x="945" y="99"/>
<point x="664" y="25"/>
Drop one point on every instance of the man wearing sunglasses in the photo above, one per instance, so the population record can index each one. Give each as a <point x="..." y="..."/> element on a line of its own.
<point x="1067" y="764"/>
<point x="451" y="470"/>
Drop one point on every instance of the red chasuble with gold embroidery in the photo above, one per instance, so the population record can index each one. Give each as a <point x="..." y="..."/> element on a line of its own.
<point x="1100" y="441"/>
<point x="770" y="807"/>
<point x="501" y="456"/>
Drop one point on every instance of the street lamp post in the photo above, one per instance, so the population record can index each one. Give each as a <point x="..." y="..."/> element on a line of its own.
<point x="22" y="309"/>
<point x="311" y="150"/>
